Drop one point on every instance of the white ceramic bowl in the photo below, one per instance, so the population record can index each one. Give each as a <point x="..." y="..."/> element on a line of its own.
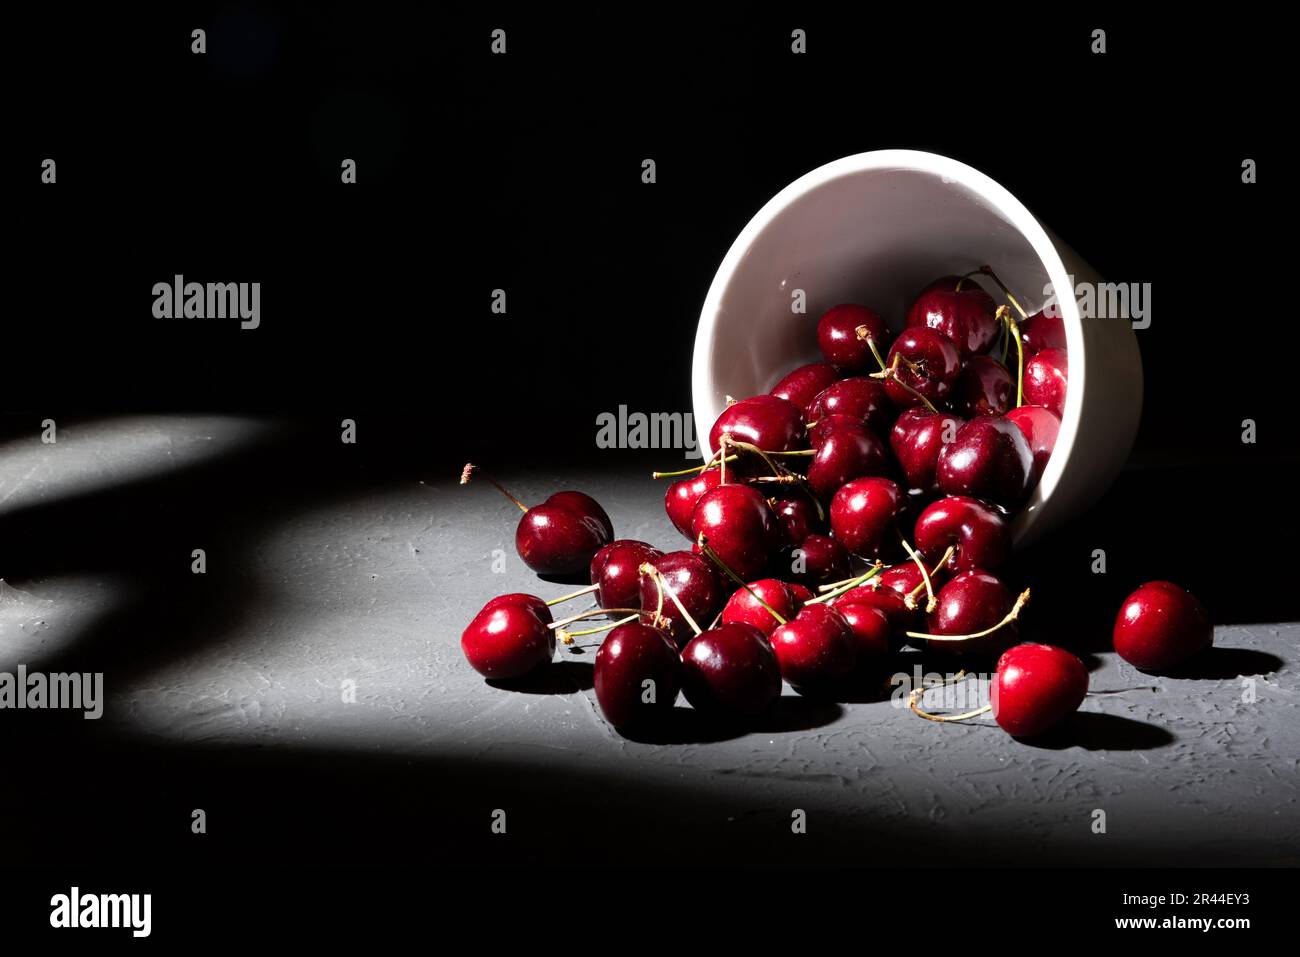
<point x="876" y="227"/>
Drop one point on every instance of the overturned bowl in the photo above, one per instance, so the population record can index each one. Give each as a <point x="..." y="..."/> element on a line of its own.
<point x="875" y="228"/>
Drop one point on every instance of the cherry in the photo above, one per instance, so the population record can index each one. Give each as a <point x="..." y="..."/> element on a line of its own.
<point x="616" y="569"/>
<point x="745" y="608"/>
<point x="1034" y="687"/>
<point x="873" y="632"/>
<point x="862" y="398"/>
<point x="989" y="459"/>
<point x="767" y="421"/>
<point x="984" y="387"/>
<point x="979" y="535"/>
<point x="805" y="383"/>
<point x="821" y="559"/>
<point x="1042" y="331"/>
<point x="864" y="516"/>
<point x="1161" y="626"/>
<point x="1046" y="375"/>
<point x="795" y="514"/>
<point x="561" y="535"/>
<point x="928" y="366"/>
<point x="917" y="438"/>
<point x="534" y="604"/>
<point x="961" y="310"/>
<point x="692" y="579"/>
<point x="820" y="430"/>
<point x="816" y="649"/>
<point x="846" y="453"/>
<point x="802" y="593"/>
<point x="973" y="601"/>
<point x="739" y="525"/>
<point x="507" y="640"/>
<point x="682" y="496"/>
<point x="843" y="347"/>
<point x="730" y="671"/>
<point x="1039" y="428"/>
<point x="637" y="675"/>
<point x="887" y="601"/>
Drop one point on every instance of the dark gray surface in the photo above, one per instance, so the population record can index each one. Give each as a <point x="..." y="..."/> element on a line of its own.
<point x="375" y="587"/>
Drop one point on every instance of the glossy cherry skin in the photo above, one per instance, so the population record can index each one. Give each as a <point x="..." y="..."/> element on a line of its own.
<point x="979" y="534"/>
<point x="873" y="633"/>
<point x="697" y="586"/>
<point x="561" y="535"/>
<point x="817" y="560"/>
<point x="767" y="421"/>
<point x="682" y="496"/>
<point x="1041" y="331"/>
<point x="816" y="649"/>
<point x="507" y="641"/>
<point x="845" y="453"/>
<point x="739" y="526"/>
<point x="630" y="656"/>
<point x="1160" y="626"/>
<point x="1040" y="428"/>
<point x="937" y="365"/>
<point x="796" y="515"/>
<point x="827" y="425"/>
<point x="971" y="602"/>
<point x="802" y="593"/>
<point x="837" y="334"/>
<point x="1034" y="687"/>
<point x="805" y="383"/>
<point x="989" y="459"/>
<point x="731" y="672"/>
<point x="864" y="516"/>
<point x="916" y="439"/>
<point x="1046" y="377"/>
<point x="534" y="604"/>
<point x="860" y="397"/>
<point x="616" y="569"/>
<point x="743" y="607"/>
<point x="966" y="316"/>
<point x="984" y="387"/>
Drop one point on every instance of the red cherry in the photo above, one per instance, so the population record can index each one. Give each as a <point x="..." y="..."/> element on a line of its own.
<point x="989" y="459"/>
<point x="616" y="569"/>
<point x="824" y="427"/>
<point x="1041" y="331"/>
<point x="971" y="602"/>
<point x="931" y="369"/>
<point x="507" y="641"/>
<point x="873" y="633"/>
<point x="816" y="649"/>
<point x="692" y="578"/>
<point x="1161" y="626"/>
<point x="819" y="560"/>
<point x="1046" y="378"/>
<point x="743" y="607"/>
<point x="730" y="671"/>
<point x="837" y="334"/>
<point x="861" y="398"/>
<point x="846" y="453"/>
<point x="885" y="600"/>
<point x="635" y="663"/>
<point x="917" y="438"/>
<point x="864" y="516"/>
<point x="740" y="526"/>
<point x="805" y="383"/>
<point x="984" y="387"/>
<point x="682" y="496"/>
<point x="796" y="515"/>
<point x="801" y="593"/>
<point x="767" y="421"/>
<point x="966" y="316"/>
<point x="534" y="604"/>
<point x="1034" y="687"/>
<point x="1040" y="429"/>
<point x="980" y="536"/>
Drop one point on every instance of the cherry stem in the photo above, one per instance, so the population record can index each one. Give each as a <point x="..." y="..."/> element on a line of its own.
<point x="470" y="470"/>
<point x="1013" y="331"/>
<point x="568" y="636"/>
<point x="577" y="594"/>
<point x="593" y="613"/>
<point x="693" y="470"/>
<point x="908" y="600"/>
<point x="914" y="701"/>
<point x="1006" y="620"/>
<point x="654" y="573"/>
<point x="722" y="452"/>
<point x="864" y="334"/>
<point x="988" y="271"/>
<point x="714" y="557"/>
<point x="849" y="585"/>
<point x="892" y="373"/>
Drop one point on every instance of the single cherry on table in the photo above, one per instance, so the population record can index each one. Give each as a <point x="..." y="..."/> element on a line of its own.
<point x="730" y="672"/>
<point x="637" y="675"/>
<point x="1161" y="626"/>
<point x="1034" y="687"/>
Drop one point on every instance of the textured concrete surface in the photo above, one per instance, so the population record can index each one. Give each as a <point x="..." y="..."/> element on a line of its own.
<point x="374" y="584"/>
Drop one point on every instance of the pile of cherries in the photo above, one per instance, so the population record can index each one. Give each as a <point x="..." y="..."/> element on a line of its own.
<point x="860" y="506"/>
